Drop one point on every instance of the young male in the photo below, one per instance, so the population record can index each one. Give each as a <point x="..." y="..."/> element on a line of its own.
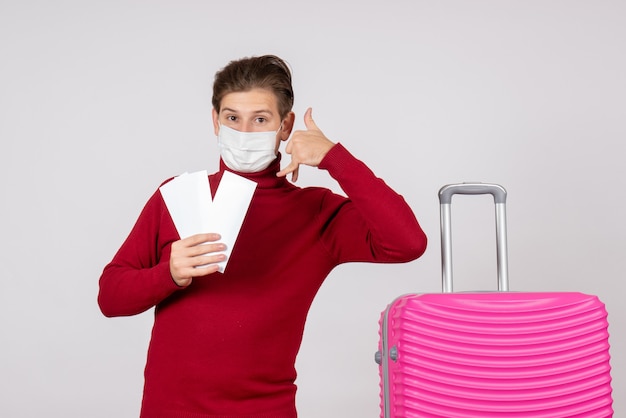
<point x="225" y="344"/>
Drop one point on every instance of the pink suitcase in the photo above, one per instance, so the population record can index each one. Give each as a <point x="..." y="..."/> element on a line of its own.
<point x="493" y="354"/>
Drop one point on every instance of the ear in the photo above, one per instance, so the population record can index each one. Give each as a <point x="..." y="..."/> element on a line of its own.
<point x="216" y="121"/>
<point x="287" y="126"/>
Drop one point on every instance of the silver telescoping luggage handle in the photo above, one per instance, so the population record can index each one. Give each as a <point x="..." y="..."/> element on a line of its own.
<point x="445" y="199"/>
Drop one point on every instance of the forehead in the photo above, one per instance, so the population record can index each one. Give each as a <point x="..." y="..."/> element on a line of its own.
<point x="252" y="101"/>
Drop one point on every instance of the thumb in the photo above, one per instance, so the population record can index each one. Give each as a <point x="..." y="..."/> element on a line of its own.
<point x="308" y="120"/>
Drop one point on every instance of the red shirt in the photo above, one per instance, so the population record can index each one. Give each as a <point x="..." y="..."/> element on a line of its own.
<point x="225" y="346"/>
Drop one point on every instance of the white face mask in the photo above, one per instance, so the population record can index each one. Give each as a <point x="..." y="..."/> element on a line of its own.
<point x="246" y="152"/>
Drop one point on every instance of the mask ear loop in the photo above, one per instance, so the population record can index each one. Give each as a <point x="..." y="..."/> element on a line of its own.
<point x="280" y="128"/>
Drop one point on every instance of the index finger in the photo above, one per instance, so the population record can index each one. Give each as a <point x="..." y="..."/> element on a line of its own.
<point x="201" y="238"/>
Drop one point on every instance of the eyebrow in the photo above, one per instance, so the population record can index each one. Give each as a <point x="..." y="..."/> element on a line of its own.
<point x="256" y="112"/>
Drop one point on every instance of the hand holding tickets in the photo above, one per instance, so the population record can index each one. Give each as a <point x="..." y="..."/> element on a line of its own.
<point x="193" y="252"/>
<point x="201" y="221"/>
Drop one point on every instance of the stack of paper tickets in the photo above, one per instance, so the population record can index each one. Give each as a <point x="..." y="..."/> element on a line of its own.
<point x="188" y="200"/>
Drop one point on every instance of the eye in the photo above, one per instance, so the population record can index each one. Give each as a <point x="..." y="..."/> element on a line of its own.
<point x="231" y="118"/>
<point x="260" y="120"/>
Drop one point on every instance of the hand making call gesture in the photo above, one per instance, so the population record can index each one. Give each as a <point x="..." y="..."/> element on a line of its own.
<point x="306" y="147"/>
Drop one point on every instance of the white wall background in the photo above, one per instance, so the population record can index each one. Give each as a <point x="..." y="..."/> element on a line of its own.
<point x="101" y="101"/>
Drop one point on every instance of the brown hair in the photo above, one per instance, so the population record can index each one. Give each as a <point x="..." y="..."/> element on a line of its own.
<point x="267" y="71"/>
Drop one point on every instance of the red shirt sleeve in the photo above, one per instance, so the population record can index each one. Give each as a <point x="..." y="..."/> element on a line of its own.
<point x="138" y="277"/>
<point x="375" y="224"/>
